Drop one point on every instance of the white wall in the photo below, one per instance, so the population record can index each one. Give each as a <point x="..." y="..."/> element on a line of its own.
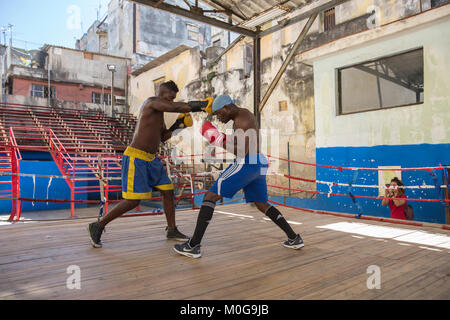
<point x="424" y="123"/>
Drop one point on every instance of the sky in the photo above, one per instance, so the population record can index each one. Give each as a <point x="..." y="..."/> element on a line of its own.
<point x="57" y="22"/>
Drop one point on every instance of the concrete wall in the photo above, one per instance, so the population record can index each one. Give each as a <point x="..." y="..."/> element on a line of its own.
<point x="167" y="31"/>
<point x="86" y="68"/>
<point x="120" y="28"/>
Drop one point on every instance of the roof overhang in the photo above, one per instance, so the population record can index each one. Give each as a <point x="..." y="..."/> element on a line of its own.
<point x="246" y="17"/>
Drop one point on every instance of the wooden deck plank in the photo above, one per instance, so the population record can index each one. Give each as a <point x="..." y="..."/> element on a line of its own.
<point x="242" y="259"/>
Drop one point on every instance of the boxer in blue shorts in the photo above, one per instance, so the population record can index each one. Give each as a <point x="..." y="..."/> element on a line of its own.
<point x="247" y="172"/>
<point x="142" y="171"/>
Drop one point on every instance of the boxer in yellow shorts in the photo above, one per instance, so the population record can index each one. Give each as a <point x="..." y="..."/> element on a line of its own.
<point x="142" y="171"/>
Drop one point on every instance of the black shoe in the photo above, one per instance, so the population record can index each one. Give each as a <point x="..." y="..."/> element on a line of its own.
<point x="186" y="250"/>
<point x="296" y="243"/>
<point x="175" y="234"/>
<point x="95" y="232"/>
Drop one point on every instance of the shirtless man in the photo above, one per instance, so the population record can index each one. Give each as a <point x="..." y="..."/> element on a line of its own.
<point x="142" y="171"/>
<point x="248" y="172"/>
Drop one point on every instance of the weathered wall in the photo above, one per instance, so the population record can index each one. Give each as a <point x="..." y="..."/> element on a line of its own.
<point x="156" y="32"/>
<point x="182" y="69"/>
<point x="166" y="31"/>
<point x="91" y="69"/>
<point x="95" y="39"/>
<point x="120" y="28"/>
<point x="385" y="10"/>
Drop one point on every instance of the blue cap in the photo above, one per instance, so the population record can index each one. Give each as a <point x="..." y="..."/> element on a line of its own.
<point x="221" y="101"/>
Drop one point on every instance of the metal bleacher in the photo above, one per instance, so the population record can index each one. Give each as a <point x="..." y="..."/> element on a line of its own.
<point x="86" y="145"/>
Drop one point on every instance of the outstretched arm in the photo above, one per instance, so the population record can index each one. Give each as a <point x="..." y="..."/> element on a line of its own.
<point x="168" y="106"/>
<point x="180" y="107"/>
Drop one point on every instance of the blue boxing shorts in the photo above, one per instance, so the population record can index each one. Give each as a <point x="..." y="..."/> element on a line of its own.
<point x="248" y="174"/>
<point x="142" y="172"/>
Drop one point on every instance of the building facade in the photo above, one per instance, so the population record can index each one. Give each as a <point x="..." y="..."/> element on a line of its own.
<point x="66" y="77"/>
<point x="142" y="33"/>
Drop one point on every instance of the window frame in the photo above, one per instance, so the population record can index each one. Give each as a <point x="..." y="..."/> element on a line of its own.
<point x="338" y="79"/>
<point x="106" y="98"/>
<point x="33" y="86"/>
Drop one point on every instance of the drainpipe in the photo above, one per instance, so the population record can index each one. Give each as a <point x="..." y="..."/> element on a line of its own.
<point x="3" y="78"/>
<point x="127" y="83"/>
<point x="48" y="80"/>
<point x="112" y="94"/>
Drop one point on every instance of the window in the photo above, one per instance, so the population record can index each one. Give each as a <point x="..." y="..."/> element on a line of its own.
<point x="97" y="98"/>
<point x="37" y="90"/>
<point x="41" y="91"/>
<point x="157" y="83"/>
<point x="437" y="3"/>
<point x="192" y="32"/>
<point x="329" y="20"/>
<point x="282" y="105"/>
<point x="387" y="82"/>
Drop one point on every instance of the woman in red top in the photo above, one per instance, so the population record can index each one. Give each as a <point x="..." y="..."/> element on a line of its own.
<point x="397" y="206"/>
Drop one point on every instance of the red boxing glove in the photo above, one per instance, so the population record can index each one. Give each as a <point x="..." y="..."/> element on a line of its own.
<point x="212" y="134"/>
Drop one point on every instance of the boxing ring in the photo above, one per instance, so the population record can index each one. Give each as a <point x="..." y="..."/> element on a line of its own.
<point x="242" y="259"/>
